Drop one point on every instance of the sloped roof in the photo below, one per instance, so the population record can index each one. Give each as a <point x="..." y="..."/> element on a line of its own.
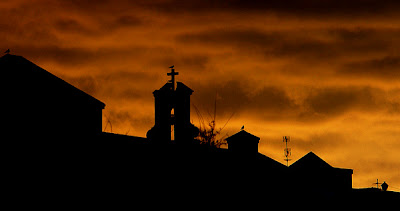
<point x="270" y="163"/>
<point x="243" y="136"/>
<point x="310" y="161"/>
<point x="183" y="88"/>
<point x="167" y="88"/>
<point x="20" y="73"/>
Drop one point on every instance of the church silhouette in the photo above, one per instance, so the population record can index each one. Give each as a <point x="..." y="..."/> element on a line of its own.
<point x="53" y="128"/>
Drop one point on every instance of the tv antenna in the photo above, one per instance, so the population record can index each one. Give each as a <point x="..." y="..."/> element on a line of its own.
<point x="288" y="151"/>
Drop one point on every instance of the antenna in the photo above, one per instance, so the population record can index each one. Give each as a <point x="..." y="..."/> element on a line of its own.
<point x="288" y="151"/>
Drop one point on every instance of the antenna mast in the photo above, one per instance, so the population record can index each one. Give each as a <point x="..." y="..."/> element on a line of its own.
<point x="288" y="151"/>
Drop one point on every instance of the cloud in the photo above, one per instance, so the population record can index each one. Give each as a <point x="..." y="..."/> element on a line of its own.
<point x="237" y="97"/>
<point x="294" y="7"/>
<point x="195" y="62"/>
<point x="323" y="43"/>
<point x="74" y="26"/>
<point x="67" y="56"/>
<point x="321" y="142"/>
<point x="126" y="122"/>
<point x="88" y="84"/>
<point x="127" y="21"/>
<point x="97" y="27"/>
<point x="116" y="85"/>
<point x="234" y="37"/>
<point x="387" y="68"/>
<point x="334" y="101"/>
<point x="100" y="57"/>
<point x="275" y="103"/>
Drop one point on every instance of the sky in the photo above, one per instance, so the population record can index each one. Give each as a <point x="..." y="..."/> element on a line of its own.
<point x="326" y="73"/>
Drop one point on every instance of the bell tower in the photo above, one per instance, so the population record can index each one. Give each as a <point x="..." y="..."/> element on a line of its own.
<point x="172" y="110"/>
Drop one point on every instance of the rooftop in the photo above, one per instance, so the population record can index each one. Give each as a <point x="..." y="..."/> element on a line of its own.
<point x="21" y="73"/>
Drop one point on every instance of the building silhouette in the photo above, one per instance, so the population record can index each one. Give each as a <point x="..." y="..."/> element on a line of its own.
<point x="313" y="173"/>
<point x="172" y="108"/>
<point x="53" y="128"/>
<point x="39" y="104"/>
<point x="243" y="142"/>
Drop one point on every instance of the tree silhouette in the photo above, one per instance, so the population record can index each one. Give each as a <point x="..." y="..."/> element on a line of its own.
<point x="208" y="135"/>
<point x="208" y="132"/>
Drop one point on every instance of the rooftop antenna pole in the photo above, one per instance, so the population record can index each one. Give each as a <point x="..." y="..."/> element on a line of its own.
<point x="288" y="151"/>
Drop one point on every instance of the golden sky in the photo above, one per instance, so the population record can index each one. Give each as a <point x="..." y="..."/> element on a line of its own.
<point x="326" y="73"/>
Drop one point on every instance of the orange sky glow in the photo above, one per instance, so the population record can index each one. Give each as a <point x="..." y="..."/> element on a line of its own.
<point x="326" y="73"/>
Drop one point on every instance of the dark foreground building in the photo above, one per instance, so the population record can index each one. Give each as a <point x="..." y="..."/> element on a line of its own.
<point x="41" y="111"/>
<point x="56" y="154"/>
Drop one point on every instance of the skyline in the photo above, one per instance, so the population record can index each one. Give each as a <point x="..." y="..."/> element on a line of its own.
<point x="326" y="74"/>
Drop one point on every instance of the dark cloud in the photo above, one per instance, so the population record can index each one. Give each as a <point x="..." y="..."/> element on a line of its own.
<point x="126" y="122"/>
<point x="364" y="40"/>
<point x="274" y="103"/>
<point x="127" y="20"/>
<point x="327" y="141"/>
<point x="132" y="75"/>
<point x="291" y="6"/>
<point x="88" y="84"/>
<point x="305" y="8"/>
<point x="230" y="97"/>
<point x="336" y="101"/>
<point x="63" y="55"/>
<point x="236" y="97"/>
<point x="324" y="44"/>
<point x="234" y="37"/>
<point x="193" y="62"/>
<point x="28" y="21"/>
<point x="72" y="56"/>
<point x="387" y="68"/>
<point x="27" y="34"/>
<point x="69" y="25"/>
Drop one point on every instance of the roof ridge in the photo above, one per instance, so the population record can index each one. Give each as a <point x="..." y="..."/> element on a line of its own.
<point x="310" y="158"/>
<point x="242" y="133"/>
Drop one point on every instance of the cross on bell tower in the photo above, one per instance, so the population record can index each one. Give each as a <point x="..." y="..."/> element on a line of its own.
<point x="172" y="74"/>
